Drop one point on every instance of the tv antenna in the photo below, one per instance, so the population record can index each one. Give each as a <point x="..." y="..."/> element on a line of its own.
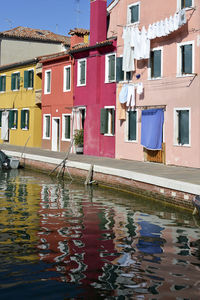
<point x="77" y="10"/>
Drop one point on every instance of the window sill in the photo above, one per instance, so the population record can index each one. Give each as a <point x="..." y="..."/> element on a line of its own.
<point x="66" y="91"/>
<point x="2" y="92"/>
<point x="108" y="134"/>
<point x="47" y="93"/>
<point x="131" y="142"/>
<point x="155" y="78"/>
<point x="46" y="138"/>
<point x="184" y="145"/>
<point x="66" y="140"/>
<point x="185" y="75"/>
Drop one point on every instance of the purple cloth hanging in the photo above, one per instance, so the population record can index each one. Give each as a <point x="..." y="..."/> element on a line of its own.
<point x="152" y="129"/>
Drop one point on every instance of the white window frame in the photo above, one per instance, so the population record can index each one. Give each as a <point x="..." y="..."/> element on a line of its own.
<point x="149" y="65"/>
<point x="109" y="121"/>
<point x="176" y="109"/>
<point x="63" y="126"/>
<point x="3" y="75"/>
<point x="179" y="58"/>
<point x="187" y="8"/>
<point x="46" y="83"/>
<point x="65" y="77"/>
<point x="127" y="128"/>
<point x="44" y="127"/>
<point x="129" y="13"/>
<point x="26" y="128"/>
<point x="107" y="68"/>
<point x="15" y="127"/>
<point x="79" y="72"/>
<point x="17" y="72"/>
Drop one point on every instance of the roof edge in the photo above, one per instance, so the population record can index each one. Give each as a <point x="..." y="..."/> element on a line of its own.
<point x="18" y="64"/>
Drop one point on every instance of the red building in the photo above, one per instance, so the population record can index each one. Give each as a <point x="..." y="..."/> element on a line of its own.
<point x="57" y="101"/>
<point x="95" y="85"/>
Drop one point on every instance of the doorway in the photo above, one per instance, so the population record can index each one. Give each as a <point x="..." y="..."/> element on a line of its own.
<point x="55" y="134"/>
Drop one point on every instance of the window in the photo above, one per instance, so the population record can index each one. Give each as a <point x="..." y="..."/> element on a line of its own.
<point x="67" y="78"/>
<point x="46" y="126"/>
<point x="134" y="13"/>
<point x="66" y="127"/>
<point x="185" y="59"/>
<point x="25" y="119"/>
<point x="120" y="74"/>
<point x="13" y="119"/>
<point x="186" y="3"/>
<point x="132" y="125"/>
<point x="155" y="63"/>
<point x="2" y="83"/>
<point x="81" y="80"/>
<point x="110" y="68"/>
<point x="47" y="83"/>
<point x="108" y="120"/>
<point x="182" y="126"/>
<point x="28" y="79"/>
<point x="15" y="81"/>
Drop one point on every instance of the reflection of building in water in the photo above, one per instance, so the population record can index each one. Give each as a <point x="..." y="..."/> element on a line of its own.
<point x="75" y="235"/>
<point x="19" y="218"/>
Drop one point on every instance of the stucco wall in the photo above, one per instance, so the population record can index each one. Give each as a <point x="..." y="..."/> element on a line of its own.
<point x="25" y="50"/>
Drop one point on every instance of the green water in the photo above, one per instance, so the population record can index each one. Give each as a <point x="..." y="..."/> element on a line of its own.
<point x="60" y="240"/>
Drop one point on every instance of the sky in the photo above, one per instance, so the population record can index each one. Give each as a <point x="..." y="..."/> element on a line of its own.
<point x="58" y="16"/>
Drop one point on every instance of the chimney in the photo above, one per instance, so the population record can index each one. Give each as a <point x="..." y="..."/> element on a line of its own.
<point x="98" y="21"/>
<point x="79" y="36"/>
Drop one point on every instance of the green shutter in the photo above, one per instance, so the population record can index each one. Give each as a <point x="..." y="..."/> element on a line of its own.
<point x="183" y="127"/>
<point x="157" y="63"/>
<point x="113" y="121"/>
<point x="67" y="127"/>
<point x="22" y="119"/>
<point x="13" y="82"/>
<point x="82" y="66"/>
<point x="16" y="113"/>
<point x="68" y="79"/>
<point x="132" y="125"/>
<point x="104" y="121"/>
<point x="11" y="119"/>
<point x="119" y="71"/>
<point x="111" y="68"/>
<point x="134" y="13"/>
<point x="26" y="79"/>
<point x="187" y="59"/>
<point x="31" y="78"/>
<point x="0" y="117"/>
<point x="4" y="83"/>
<point x="1" y="83"/>
<point x="18" y="80"/>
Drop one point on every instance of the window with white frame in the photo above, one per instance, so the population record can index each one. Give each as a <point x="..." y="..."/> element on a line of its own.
<point x="46" y="126"/>
<point x="185" y="4"/>
<point x="47" y="82"/>
<point x="66" y="127"/>
<point x="107" y="121"/>
<point x="28" y="79"/>
<point x="13" y="119"/>
<point x="131" y="126"/>
<point x="155" y="64"/>
<point x="110" y="68"/>
<point x="185" y="59"/>
<point x="120" y="74"/>
<point x="133" y="13"/>
<point x="25" y="119"/>
<point x="67" y="78"/>
<point x="81" y="80"/>
<point x="182" y="126"/>
<point x="15" y="81"/>
<point x="2" y="83"/>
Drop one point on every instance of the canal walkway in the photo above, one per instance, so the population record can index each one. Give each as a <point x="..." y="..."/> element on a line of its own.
<point x="169" y="180"/>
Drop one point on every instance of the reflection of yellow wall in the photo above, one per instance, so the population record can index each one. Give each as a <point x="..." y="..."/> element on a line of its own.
<point x="24" y="98"/>
<point x="19" y="218"/>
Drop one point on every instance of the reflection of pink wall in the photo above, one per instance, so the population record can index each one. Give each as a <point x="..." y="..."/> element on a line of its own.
<point x="171" y="90"/>
<point x="95" y="95"/>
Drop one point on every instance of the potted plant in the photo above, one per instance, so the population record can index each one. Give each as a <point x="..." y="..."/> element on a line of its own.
<point x="78" y="140"/>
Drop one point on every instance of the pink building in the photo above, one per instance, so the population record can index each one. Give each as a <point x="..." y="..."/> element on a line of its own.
<point x="95" y="86"/>
<point x="158" y="59"/>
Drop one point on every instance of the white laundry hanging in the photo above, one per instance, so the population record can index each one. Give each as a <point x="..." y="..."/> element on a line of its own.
<point x="128" y="54"/>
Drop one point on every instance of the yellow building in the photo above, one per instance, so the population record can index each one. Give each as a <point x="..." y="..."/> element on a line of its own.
<point x="20" y="103"/>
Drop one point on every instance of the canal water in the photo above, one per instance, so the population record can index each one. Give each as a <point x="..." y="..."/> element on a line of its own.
<point x="60" y="240"/>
